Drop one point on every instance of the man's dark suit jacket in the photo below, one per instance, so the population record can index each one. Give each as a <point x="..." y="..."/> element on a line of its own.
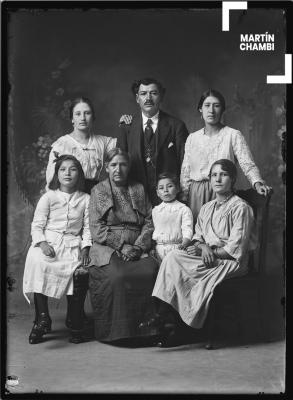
<point x="171" y="137"/>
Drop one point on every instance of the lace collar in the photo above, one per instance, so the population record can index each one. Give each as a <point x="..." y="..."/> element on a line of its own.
<point x="170" y="207"/>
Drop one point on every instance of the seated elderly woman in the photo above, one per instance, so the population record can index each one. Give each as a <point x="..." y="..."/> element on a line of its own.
<point x="121" y="274"/>
<point x="224" y="234"/>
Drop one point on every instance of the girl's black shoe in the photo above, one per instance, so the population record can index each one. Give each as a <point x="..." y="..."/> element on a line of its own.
<point x="43" y="326"/>
<point x="48" y="325"/>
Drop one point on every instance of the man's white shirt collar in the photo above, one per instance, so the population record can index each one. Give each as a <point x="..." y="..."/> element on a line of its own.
<point x="155" y="119"/>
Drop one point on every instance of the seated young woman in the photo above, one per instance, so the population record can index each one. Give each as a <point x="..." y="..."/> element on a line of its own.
<point x="224" y="234"/>
<point x="121" y="274"/>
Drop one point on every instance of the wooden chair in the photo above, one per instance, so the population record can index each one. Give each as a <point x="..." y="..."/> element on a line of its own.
<point x="237" y="292"/>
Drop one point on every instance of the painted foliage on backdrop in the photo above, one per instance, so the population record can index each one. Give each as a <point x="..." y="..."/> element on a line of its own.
<point x="50" y="120"/>
<point x="262" y="119"/>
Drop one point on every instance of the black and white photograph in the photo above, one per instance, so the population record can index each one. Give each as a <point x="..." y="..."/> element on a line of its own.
<point x="144" y="178"/>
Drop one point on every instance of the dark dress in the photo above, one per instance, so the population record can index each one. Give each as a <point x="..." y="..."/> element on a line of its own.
<point x="120" y="291"/>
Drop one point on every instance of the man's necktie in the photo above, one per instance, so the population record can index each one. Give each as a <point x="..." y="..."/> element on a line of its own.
<point x="149" y="130"/>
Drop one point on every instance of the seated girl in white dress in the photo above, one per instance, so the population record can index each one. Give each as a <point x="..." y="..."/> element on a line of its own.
<point x="59" y="252"/>
<point x="173" y="220"/>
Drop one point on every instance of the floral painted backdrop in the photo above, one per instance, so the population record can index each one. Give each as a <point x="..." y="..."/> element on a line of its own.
<point x="50" y="119"/>
<point x="262" y="119"/>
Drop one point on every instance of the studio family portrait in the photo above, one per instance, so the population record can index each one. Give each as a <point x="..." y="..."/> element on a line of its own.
<point x="145" y="199"/>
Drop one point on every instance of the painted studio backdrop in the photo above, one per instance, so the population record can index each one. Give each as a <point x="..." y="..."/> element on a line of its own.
<point x="55" y="55"/>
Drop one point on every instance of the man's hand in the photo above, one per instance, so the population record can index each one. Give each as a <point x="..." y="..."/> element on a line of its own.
<point x="125" y="118"/>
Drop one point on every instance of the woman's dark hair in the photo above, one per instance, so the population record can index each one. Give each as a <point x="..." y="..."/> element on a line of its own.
<point x="168" y="175"/>
<point x="214" y="93"/>
<point x="55" y="184"/>
<point x="227" y="166"/>
<point x="116" y="151"/>
<point x="78" y="100"/>
<point x="147" y="81"/>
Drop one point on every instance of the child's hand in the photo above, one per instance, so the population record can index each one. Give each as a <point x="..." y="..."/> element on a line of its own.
<point x="84" y="257"/>
<point x="185" y="243"/>
<point x="47" y="249"/>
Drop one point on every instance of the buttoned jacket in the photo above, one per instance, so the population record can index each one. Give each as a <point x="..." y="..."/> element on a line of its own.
<point x="171" y="135"/>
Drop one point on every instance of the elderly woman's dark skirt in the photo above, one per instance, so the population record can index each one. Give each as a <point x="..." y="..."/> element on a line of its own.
<point x="121" y="297"/>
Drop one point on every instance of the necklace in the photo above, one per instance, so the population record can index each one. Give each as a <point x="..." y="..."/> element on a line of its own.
<point x="220" y="203"/>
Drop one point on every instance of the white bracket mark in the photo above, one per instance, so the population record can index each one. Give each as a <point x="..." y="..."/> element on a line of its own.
<point x="287" y="78"/>
<point x="231" y="5"/>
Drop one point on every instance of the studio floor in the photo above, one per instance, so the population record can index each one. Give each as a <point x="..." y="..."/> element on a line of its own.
<point x="57" y="366"/>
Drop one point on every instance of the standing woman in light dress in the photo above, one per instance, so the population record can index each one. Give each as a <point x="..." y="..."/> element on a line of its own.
<point x="209" y="144"/>
<point x="224" y="235"/>
<point x="88" y="148"/>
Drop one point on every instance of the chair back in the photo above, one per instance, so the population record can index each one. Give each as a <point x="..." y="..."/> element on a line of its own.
<point x="260" y="206"/>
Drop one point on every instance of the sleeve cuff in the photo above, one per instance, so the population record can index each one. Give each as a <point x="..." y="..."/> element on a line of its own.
<point x="187" y="234"/>
<point x="231" y="253"/>
<point x="86" y="243"/>
<point x="256" y="181"/>
<point x="139" y="244"/>
<point x="38" y="239"/>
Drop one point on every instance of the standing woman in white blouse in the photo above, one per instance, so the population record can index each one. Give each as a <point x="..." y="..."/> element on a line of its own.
<point x="89" y="149"/>
<point x="213" y="142"/>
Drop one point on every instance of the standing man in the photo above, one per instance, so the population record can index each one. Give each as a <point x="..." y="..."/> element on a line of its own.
<point x="154" y="139"/>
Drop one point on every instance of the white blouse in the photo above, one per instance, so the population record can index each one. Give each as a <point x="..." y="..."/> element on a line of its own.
<point x="90" y="155"/>
<point x="201" y="151"/>
<point x="58" y="214"/>
<point x="173" y="222"/>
